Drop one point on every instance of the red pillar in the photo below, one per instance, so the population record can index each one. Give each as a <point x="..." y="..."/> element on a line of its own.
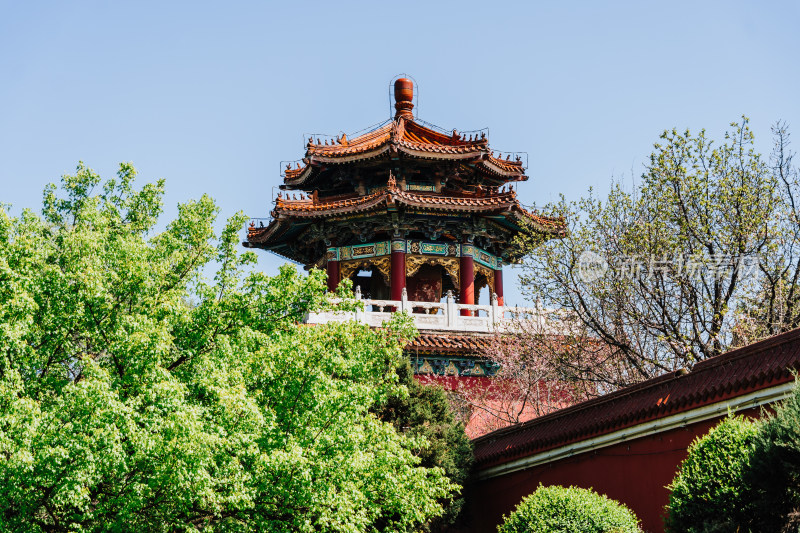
<point x="467" y="278"/>
<point x="398" y="268"/>
<point x="333" y="269"/>
<point x="498" y="284"/>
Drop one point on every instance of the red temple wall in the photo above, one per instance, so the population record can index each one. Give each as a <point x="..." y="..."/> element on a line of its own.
<point x="635" y="473"/>
<point x="482" y="421"/>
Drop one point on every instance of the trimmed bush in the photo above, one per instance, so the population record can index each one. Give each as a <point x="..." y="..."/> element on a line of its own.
<point x="708" y="493"/>
<point x="569" y="510"/>
<point x="774" y="473"/>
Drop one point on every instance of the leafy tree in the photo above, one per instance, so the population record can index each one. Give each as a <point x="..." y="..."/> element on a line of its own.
<point x="425" y="412"/>
<point x="775" y="306"/>
<point x="774" y="473"/>
<point x="708" y="493"/>
<point x="137" y="395"/>
<point x="556" y="509"/>
<point x="655" y="275"/>
<point x="531" y="357"/>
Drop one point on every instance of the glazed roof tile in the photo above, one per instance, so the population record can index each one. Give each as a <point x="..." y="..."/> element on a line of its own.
<point x="450" y="344"/>
<point x="407" y="136"/>
<point x="287" y="210"/>
<point x="760" y="365"/>
<point x="505" y="164"/>
<point x="363" y="143"/>
<point x="309" y="207"/>
<point x="312" y="208"/>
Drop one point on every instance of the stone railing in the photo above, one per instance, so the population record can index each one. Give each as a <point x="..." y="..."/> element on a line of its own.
<point x="443" y="316"/>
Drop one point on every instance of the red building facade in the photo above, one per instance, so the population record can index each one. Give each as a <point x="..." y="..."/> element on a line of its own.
<point x="629" y="444"/>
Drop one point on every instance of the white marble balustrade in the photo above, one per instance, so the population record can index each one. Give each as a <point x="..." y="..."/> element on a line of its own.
<point x="439" y="316"/>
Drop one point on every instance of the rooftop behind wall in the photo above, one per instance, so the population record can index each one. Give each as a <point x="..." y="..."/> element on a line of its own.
<point x="759" y="366"/>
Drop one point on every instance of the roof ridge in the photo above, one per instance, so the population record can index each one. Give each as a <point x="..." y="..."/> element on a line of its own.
<point x="674" y="376"/>
<point x="600" y="400"/>
<point x="748" y="350"/>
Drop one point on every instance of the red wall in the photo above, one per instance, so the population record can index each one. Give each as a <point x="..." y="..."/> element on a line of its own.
<point x="635" y="473"/>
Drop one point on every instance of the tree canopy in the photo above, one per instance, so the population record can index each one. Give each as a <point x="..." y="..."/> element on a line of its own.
<point x="425" y="411"/>
<point x="700" y="256"/>
<point x="138" y="394"/>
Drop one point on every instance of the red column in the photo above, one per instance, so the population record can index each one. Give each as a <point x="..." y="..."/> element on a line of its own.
<point x="398" y="268"/>
<point x="498" y="284"/>
<point x="467" y="278"/>
<point x="333" y="269"/>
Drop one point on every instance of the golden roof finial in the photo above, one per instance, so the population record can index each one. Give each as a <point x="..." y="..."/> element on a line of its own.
<point x="404" y="98"/>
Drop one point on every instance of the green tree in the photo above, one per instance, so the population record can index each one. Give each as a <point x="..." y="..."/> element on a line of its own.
<point x="138" y="395"/>
<point x="775" y="306"/>
<point x="708" y="493"/>
<point x="556" y="509"/>
<point x="654" y="275"/>
<point x="774" y="472"/>
<point x="425" y="412"/>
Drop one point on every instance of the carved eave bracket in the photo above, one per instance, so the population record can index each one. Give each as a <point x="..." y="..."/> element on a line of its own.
<point x="450" y="265"/>
<point x="382" y="264"/>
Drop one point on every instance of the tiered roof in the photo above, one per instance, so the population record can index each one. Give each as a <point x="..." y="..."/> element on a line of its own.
<point x="397" y="177"/>
<point x="292" y="214"/>
<point x="403" y="137"/>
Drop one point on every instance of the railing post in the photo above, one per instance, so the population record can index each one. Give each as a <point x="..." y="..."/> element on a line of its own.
<point x="452" y="312"/>
<point x="404" y="301"/>
<point x="360" y="314"/>
<point x="540" y="313"/>
<point x="497" y="312"/>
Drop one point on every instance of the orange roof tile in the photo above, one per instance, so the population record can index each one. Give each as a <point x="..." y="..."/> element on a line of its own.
<point x="475" y="344"/>
<point x="310" y="208"/>
<point x="406" y="136"/>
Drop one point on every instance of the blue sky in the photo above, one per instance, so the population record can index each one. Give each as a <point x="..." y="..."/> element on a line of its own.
<point x="212" y="96"/>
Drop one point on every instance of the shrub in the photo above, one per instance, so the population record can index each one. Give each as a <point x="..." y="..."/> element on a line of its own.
<point x="569" y="510"/>
<point x="774" y="473"/>
<point x="708" y="493"/>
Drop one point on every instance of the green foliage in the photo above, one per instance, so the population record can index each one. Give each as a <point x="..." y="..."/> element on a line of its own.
<point x="425" y="412"/>
<point x="137" y="395"/>
<point x="774" y="473"/>
<point x="671" y="256"/>
<point x="569" y="510"/>
<point x="708" y="493"/>
<point x="775" y="306"/>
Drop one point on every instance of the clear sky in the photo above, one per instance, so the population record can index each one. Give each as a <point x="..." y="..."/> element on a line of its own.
<point x="212" y="96"/>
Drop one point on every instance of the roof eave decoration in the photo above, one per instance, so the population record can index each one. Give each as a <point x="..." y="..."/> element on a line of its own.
<point x="405" y="136"/>
<point x="424" y="152"/>
<point x="503" y="168"/>
<point x="263" y="235"/>
<point x="311" y="206"/>
<point x="299" y="173"/>
<point x="341" y="159"/>
<point x="504" y="204"/>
